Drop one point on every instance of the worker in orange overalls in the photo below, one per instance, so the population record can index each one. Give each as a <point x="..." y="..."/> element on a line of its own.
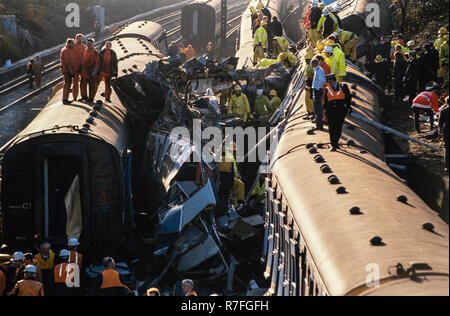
<point x="63" y="274"/>
<point x="189" y="51"/>
<point x="108" y="68"/>
<point x="90" y="67"/>
<point x="67" y="64"/>
<point x="29" y="286"/>
<point x="78" y="51"/>
<point x="109" y="283"/>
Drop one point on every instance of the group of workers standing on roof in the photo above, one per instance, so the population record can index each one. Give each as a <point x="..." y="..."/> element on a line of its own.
<point x="83" y="66"/>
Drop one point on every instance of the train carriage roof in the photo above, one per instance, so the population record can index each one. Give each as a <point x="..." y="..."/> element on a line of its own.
<point x="340" y="243"/>
<point x="141" y="29"/>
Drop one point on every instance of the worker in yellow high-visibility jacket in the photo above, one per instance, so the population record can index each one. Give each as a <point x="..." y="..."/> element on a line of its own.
<point x="321" y="25"/>
<point x="229" y="176"/>
<point x="239" y="105"/>
<point x="288" y="59"/>
<point x="442" y="38"/>
<point x="336" y="60"/>
<point x="279" y="44"/>
<point x="261" y="42"/>
<point x="348" y="42"/>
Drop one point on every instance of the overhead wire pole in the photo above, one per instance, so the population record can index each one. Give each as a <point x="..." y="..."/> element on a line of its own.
<point x="223" y="27"/>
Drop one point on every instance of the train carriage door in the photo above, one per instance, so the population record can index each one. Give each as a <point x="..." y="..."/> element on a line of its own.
<point x="62" y="175"/>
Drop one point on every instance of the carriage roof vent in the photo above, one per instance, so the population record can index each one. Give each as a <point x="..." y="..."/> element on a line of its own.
<point x="356" y="211"/>
<point x="377" y="241"/>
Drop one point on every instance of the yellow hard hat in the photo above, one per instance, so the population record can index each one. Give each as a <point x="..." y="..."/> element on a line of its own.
<point x="260" y="6"/>
<point x="273" y="93"/>
<point x="320" y="45"/>
<point x="252" y="10"/>
<point x="379" y="59"/>
<point x="282" y="56"/>
<point x="237" y="88"/>
<point x="443" y="30"/>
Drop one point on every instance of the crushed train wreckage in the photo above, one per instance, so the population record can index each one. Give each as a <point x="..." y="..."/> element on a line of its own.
<point x="193" y="233"/>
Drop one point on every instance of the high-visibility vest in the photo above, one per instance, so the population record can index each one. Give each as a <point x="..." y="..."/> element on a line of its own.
<point x="261" y="37"/>
<point x="239" y="106"/>
<point x="76" y="258"/>
<point x="110" y="278"/>
<point x="62" y="272"/>
<point x="334" y="95"/>
<point x="265" y="63"/>
<point x="346" y="36"/>
<point x="322" y="21"/>
<point x="427" y="100"/>
<point x="192" y="293"/>
<point x="438" y="43"/>
<point x="293" y="60"/>
<point x="260" y="189"/>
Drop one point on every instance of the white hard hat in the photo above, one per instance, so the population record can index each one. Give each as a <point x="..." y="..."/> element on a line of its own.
<point x="335" y="34"/>
<point x="325" y="12"/>
<point x="410" y="43"/>
<point x="64" y="253"/>
<point x="73" y="242"/>
<point x="259" y="92"/>
<point x="18" y="256"/>
<point x="328" y="49"/>
<point x="337" y="8"/>
<point x="30" y="269"/>
<point x="314" y="4"/>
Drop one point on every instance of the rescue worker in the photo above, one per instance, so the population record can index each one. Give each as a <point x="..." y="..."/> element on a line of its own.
<point x="30" y="73"/>
<point x="426" y="102"/>
<point x="63" y="274"/>
<point x="288" y="59"/>
<point x="46" y="260"/>
<point x="67" y="63"/>
<point x="398" y="73"/>
<point x="312" y="21"/>
<point x="276" y="27"/>
<point x="264" y="10"/>
<point x="262" y="106"/>
<point x="411" y="76"/>
<point x="443" y="128"/>
<point x="90" y="63"/>
<point x="188" y="288"/>
<point x="29" y="260"/>
<point x="38" y="69"/>
<point x="431" y="62"/>
<point x="153" y="292"/>
<point x="74" y="255"/>
<point x="444" y="59"/>
<point x="382" y="74"/>
<point x="279" y="45"/>
<point x="239" y="105"/>
<point x="440" y="40"/>
<point x="108" y="65"/>
<point x="322" y="63"/>
<point x="78" y="52"/>
<point x="275" y="101"/>
<point x="29" y="286"/>
<point x="336" y="60"/>
<point x="229" y="175"/>
<point x="257" y="22"/>
<point x="327" y="24"/>
<point x="337" y="100"/>
<point x="259" y="191"/>
<point x="261" y="43"/>
<point x="317" y="88"/>
<point x="309" y="75"/>
<point x="348" y="42"/>
<point x="108" y="282"/>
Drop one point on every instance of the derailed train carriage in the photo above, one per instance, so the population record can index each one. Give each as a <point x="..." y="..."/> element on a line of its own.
<point x="201" y="21"/>
<point x="68" y="174"/>
<point x="344" y="223"/>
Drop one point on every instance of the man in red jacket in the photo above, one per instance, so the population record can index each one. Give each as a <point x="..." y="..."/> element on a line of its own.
<point x="108" y="68"/>
<point x="90" y="66"/>
<point x="426" y="102"/>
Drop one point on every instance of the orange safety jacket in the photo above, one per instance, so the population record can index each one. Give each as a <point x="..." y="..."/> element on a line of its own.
<point x="46" y="264"/>
<point x="62" y="272"/>
<point x="192" y="293"/>
<point x="334" y="95"/>
<point x="110" y="278"/>
<point x="189" y="52"/>
<point x="28" y="288"/>
<point x="427" y="100"/>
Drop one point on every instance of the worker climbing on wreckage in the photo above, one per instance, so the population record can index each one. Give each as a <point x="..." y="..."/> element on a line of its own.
<point x="239" y="105"/>
<point x="262" y="106"/>
<point x="229" y="175"/>
<point x="261" y="42"/>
